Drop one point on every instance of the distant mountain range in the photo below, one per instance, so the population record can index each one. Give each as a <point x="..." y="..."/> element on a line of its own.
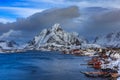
<point x="55" y="38"/>
<point x="111" y="40"/>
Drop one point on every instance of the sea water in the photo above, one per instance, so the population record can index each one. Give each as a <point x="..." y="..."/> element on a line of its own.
<point x="42" y="65"/>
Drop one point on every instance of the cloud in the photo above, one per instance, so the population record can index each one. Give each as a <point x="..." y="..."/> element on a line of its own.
<point x="90" y="17"/>
<point x="102" y="23"/>
<point x="93" y="21"/>
<point x="83" y="3"/>
<point x="109" y="17"/>
<point x="21" y="12"/>
<point x="25" y="8"/>
<point x="33" y="24"/>
<point x="11" y="35"/>
<point x="97" y="3"/>
<point x="108" y="20"/>
<point x="49" y="1"/>
<point x="5" y="20"/>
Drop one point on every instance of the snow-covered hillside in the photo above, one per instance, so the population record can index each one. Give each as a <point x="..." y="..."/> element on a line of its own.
<point x="87" y="46"/>
<point x="109" y="40"/>
<point x="8" y="45"/>
<point x="55" y="37"/>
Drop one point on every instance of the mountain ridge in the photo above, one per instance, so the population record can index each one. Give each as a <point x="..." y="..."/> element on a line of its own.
<point x="56" y="36"/>
<point x="111" y="40"/>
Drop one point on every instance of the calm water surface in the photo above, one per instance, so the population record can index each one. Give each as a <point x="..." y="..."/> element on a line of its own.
<point x="38" y="65"/>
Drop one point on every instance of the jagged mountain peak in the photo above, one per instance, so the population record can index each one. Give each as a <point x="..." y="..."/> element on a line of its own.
<point x="55" y="36"/>
<point x="56" y="27"/>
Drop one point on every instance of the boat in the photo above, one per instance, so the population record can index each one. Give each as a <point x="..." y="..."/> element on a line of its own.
<point x="104" y="73"/>
<point x="97" y="65"/>
<point x="93" y="60"/>
<point x="96" y="74"/>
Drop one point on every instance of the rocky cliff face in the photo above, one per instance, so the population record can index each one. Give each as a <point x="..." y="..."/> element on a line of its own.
<point x="55" y="37"/>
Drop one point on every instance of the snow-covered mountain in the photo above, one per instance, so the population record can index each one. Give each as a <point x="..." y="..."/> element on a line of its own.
<point x="55" y="37"/>
<point x="8" y="45"/>
<point x="110" y="40"/>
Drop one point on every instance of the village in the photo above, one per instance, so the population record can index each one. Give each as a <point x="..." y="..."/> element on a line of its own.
<point x="106" y="60"/>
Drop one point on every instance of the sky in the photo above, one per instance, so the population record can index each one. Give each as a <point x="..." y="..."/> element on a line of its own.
<point x="86" y="17"/>
<point x="12" y="9"/>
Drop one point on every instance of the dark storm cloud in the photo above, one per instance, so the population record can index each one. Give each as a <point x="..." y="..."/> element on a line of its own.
<point x="102" y="23"/>
<point x="36" y="22"/>
<point x="110" y="17"/>
<point x="107" y="20"/>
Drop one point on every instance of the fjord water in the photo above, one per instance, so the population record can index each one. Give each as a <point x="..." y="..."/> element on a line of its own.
<point x="38" y="65"/>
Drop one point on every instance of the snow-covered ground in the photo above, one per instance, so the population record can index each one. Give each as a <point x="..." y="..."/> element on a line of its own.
<point x="8" y="45"/>
<point x="11" y="46"/>
<point x="113" y="63"/>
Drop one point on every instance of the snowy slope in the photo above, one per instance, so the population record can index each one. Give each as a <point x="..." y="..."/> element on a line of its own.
<point x="86" y="46"/>
<point x="8" y="45"/>
<point x="109" y="40"/>
<point x="55" y="36"/>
